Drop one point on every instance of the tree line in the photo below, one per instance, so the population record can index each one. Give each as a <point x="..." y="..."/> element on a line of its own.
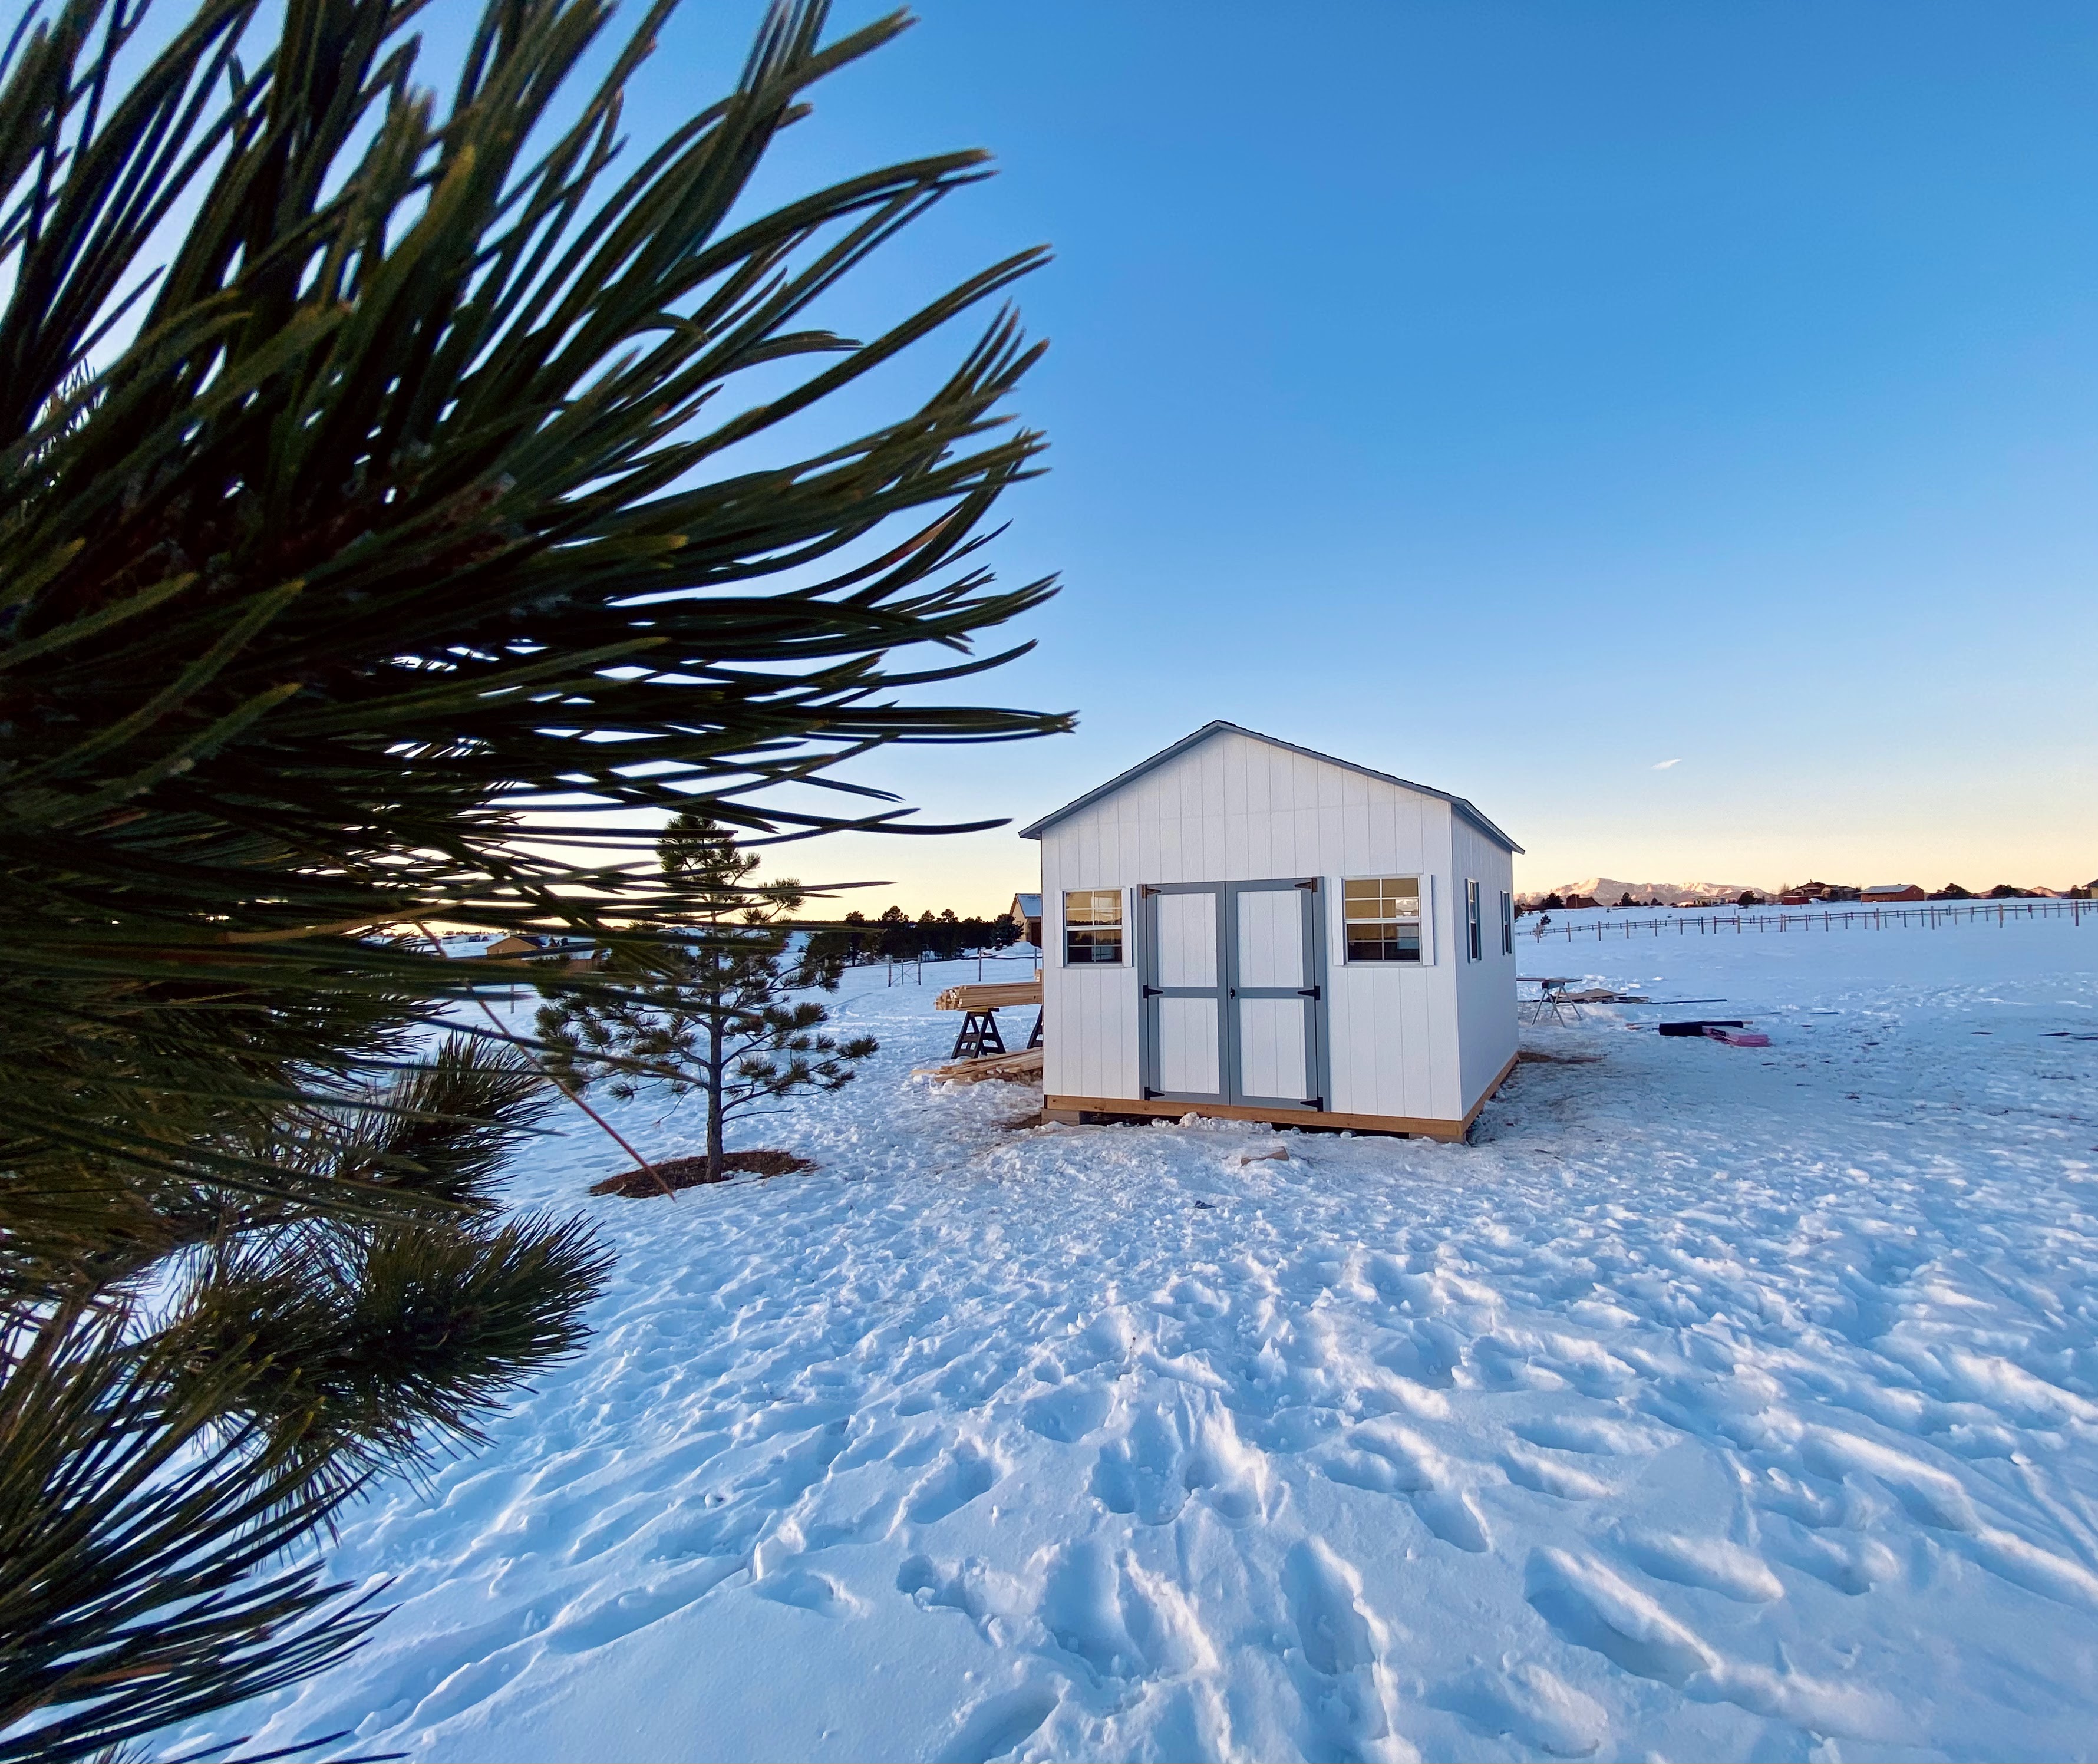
<point x="894" y="936"/>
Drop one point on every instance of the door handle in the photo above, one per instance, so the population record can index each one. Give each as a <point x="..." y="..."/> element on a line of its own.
<point x="1230" y="992"/>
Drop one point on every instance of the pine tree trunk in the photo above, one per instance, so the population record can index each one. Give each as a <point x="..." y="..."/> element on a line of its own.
<point x="715" y="1100"/>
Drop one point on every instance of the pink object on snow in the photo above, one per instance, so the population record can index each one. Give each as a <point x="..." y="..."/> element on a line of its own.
<point x="1734" y="1037"/>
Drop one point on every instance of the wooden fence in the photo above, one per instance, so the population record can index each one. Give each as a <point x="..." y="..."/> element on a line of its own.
<point x="911" y="969"/>
<point x="1931" y="913"/>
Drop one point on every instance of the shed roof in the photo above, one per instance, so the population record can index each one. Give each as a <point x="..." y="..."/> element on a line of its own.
<point x="1208" y="729"/>
<point x="1029" y="906"/>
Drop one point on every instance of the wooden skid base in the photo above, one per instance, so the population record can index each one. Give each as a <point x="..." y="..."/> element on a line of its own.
<point x="1076" y="1108"/>
<point x="1072" y="1108"/>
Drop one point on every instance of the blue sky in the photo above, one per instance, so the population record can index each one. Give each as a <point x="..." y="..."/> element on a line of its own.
<point x="1518" y="397"/>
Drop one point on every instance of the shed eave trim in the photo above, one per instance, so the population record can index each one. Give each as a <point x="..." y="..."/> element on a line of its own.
<point x="1220" y="727"/>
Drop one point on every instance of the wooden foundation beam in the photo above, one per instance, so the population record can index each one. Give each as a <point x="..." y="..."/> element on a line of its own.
<point x="1073" y="1109"/>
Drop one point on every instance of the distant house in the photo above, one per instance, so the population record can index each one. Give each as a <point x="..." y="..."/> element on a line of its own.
<point x="1821" y="891"/>
<point x="514" y="945"/>
<point x="1879" y="894"/>
<point x="1794" y="897"/>
<point x="1026" y="916"/>
<point x="1576" y="902"/>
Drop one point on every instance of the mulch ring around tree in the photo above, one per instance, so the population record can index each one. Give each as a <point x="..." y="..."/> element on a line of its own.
<point x="691" y="1173"/>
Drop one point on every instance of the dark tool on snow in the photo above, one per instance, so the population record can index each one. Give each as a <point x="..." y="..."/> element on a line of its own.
<point x="1698" y="1025"/>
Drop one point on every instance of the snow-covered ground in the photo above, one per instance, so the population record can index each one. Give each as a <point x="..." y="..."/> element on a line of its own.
<point x="1717" y="1403"/>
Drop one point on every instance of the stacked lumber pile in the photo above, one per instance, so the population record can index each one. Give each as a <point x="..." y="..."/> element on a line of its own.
<point x="988" y="995"/>
<point x="1022" y="1067"/>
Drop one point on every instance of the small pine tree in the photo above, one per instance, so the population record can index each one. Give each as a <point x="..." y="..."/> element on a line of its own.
<point x="712" y="1016"/>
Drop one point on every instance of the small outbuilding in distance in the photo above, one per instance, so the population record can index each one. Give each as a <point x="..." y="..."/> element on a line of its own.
<point x="1243" y="928"/>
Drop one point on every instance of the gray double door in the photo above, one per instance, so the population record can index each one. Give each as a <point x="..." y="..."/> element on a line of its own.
<point x="1234" y="985"/>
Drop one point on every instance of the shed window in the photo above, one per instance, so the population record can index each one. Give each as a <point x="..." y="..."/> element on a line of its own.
<point x="1474" y="939"/>
<point x="1382" y="915"/>
<point x="1092" y="926"/>
<point x="1507" y="922"/>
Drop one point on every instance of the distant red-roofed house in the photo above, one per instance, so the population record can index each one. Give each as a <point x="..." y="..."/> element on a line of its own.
<point x="1880" y="893"/>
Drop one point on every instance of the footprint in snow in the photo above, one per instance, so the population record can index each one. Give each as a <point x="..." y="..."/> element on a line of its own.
<point x="1532" y="1706"/>
<point x="1390" y="1458"/>
<point x="1000" y="1725"/>
<point x="1712" y="1563"/>
<point x="1194" y="1449"/>
<point x="958" y="1479"/>
<point x="1338" y="1647"/>
<point x="1081" y="1610"/>
<point x="1931" y="1496"/>
<point x="1066" y="1413"/>
<point x="1853" y="1565"/>
<point x="1135" y="1474"/>
<point x="1426" y="1351"/>
<point x="1596" y="1435"/>
<point x="1543" y="1476"/>
<point x="1592" y="1607"/>
<point x="807" y="1591"/>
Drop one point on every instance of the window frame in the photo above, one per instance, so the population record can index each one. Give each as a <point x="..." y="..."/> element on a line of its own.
<point x="1507" y="922"/>
<point x="1121" y="927"/>
<point x="1475" y="930"/>
<point x="1424" y="884"/>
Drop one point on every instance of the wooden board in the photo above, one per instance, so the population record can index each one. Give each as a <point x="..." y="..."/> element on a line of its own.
<point x="1070" y="1108"/>
<point x="989" y="995"/>
<point x="1021" y="1067"/>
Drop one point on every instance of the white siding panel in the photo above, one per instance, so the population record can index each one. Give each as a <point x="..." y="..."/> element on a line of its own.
<point x="1486" y="988"/>
<point x="1187" y="939"/>
<point x="1310" y="838"/>
<point x="1270" y="941"/>
<point x="1271" y="1047"/>
<point x="1189" y="1047"/>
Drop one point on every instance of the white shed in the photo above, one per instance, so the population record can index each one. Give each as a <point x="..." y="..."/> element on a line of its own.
<point x="1244" y="928"/>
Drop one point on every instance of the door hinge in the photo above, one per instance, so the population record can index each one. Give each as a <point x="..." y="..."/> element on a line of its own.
<point x="1307" y="992"/>
<point x="1148" y="1093"/>
<point x="1152" y="992"/>
<point x="1311" y="884"/>
<point x="1144" y="890"/>
<point x="1315" y="1102"/>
